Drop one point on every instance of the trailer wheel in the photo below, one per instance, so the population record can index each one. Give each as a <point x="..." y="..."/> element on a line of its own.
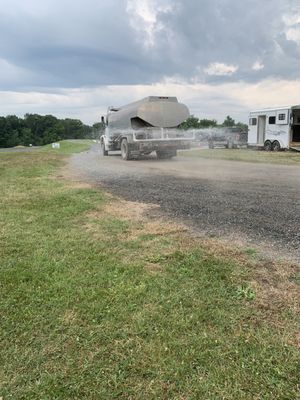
<point x="103" y="151"/>
<point x="268" y="145"/>
<point x="125" y="152"/>
<point x="276" y="145"/>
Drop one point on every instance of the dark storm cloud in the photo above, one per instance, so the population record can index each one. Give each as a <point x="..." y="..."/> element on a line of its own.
<point x="238" y="33"/>
<point x="74" y="44"/>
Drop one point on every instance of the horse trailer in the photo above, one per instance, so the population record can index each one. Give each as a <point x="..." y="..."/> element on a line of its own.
<point x="275" y="128"/>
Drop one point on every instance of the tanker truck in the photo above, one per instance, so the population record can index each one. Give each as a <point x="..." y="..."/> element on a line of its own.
<point x="147" y="125"/>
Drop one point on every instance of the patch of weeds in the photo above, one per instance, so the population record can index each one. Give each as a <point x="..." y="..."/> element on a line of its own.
<point x="295" y="278"/>
<point x="155" y="259"/>
<point x="147" y="237"/>
<point x="114" y="226"/>
<point x="245" y="292"/>
<point x="250" y="252"/>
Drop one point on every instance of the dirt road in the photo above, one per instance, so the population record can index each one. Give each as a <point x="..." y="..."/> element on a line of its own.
<point x="246" y="203"/>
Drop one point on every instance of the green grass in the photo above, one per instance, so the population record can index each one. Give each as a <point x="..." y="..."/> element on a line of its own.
<point x="285" y="157"/>
<point x="68" y="147"/>
<point x="83" y="318"/>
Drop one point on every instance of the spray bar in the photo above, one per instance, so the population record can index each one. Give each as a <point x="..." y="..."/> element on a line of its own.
<point x="163" y="135"/>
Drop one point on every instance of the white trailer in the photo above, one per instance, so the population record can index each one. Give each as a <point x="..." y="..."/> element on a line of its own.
<point x="275" y="128"/>
<point x="147" y="125"/>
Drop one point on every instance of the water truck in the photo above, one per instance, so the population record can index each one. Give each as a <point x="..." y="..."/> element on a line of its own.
<point x="147" y="125"/>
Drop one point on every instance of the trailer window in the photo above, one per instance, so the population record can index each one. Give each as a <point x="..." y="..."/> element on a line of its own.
<point x="252" y="121"/>
<point x="272" y="120"/>
<point x="281" y="117"/>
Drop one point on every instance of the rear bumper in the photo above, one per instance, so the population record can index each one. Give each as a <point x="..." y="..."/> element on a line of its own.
<point x="148" y="146"/>
<point x="226" y="143"/>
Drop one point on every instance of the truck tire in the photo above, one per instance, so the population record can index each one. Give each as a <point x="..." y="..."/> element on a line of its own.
<point x="103" y="151"/>
<point x="163" y="154"/>
<point x="276" y="145"/>
<point x="267" y="145"/>
<point x="125" y="152"/>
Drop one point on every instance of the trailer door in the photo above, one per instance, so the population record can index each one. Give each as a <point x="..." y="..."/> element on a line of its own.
<point x="261" y="130"/>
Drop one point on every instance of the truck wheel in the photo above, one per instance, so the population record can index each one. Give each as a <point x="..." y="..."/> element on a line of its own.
<point x="103" y="151"/>
<point x="276" y="146"/>
<point x="125" y="152"/>
<point x="267" y="145"/>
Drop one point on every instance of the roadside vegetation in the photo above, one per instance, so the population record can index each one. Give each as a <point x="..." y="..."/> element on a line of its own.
<point x="195" y="123"/>
<point x="281" y="157"/>
<point x="99" y="301"/>
<point x="39" y="130"/>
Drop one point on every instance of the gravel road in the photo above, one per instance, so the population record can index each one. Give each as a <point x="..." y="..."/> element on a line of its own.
<point x="247" y="203"/>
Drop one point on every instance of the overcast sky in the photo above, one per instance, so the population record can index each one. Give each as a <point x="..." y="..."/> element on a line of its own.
<point x="75" y="58"/>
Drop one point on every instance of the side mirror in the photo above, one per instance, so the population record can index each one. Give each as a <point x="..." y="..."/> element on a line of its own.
<point x="102" y="120"/>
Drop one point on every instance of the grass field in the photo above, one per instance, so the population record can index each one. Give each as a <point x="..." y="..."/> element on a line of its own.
<point x="99" y="302"/>
<point x="284" y="157"/>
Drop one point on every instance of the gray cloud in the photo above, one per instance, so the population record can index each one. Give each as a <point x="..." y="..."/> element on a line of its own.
<point x="74" y="44"/>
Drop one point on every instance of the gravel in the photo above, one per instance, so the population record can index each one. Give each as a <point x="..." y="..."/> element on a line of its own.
<point x="248" y="203"/>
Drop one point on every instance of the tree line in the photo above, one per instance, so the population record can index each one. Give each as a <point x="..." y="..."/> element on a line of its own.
<point x="38" y="130"/>
<point x="195" y="123"/>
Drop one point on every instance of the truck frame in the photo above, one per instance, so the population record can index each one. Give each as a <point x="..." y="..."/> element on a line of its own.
<point x="275" y="128"/>
<point x="147" y="125"/>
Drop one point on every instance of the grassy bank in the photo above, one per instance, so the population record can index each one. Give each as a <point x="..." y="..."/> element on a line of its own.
<point x="98" y="302"/>
<point x="68" y="147"/>
<point x="285" y="157"/>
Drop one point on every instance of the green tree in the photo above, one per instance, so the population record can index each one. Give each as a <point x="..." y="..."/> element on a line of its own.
<point x="39" y="130"/>
<point x="12" y="126"/>
<point x="207" y="123"/>
<point x="190" y="123"/>
<point x="228" y="121"/>
<point x="26" y="137"/>
<point x="97" y="129"/>
<point x="73" y="129"/>
<point x="3" y="132"/>
<point x="36" y="123"/>
<point x="194" y="123"/>
<point x="243" y="126"/>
